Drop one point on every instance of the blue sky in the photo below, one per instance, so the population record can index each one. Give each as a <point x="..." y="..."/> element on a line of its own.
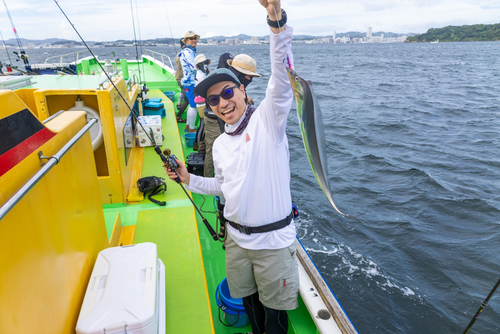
<point x="98" y="20"/>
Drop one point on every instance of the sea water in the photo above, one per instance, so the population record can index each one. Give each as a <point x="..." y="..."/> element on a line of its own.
<point x="413" y="147"/>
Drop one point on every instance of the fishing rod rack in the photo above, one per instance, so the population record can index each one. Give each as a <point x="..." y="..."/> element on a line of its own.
<point x="132" y="81"/>
<point x="108" y="78"/>
<point x="160" y="54"/>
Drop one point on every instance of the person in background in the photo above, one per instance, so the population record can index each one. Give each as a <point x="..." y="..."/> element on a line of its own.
<point x="201" y="67"/>
<point x="188" y="82"/>
<point x="201" y="73"/>
<point x="252" y="171"/>
<point x="244" y="67"/>
<point x="183" y="102"/>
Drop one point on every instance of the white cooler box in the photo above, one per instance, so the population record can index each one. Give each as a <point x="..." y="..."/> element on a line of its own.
<point x="126" y="293"/>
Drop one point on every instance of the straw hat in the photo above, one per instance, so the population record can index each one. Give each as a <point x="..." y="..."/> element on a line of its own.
<point x="190" y="33"/>
<point x="200" y="59"/>
<point x="244" y="64"/>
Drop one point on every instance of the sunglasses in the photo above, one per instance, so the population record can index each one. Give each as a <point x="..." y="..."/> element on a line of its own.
<point x="226" y="94"/>
<point x="190" y="38"/>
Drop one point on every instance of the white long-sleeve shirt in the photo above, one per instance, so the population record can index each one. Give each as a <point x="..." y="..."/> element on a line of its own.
<point x="252" y="170"/>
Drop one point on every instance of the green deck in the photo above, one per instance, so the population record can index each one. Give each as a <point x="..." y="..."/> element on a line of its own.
<point x="194" y="263"/>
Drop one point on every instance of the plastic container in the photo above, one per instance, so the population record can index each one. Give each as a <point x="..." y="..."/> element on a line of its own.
<point x="233" y="310"/>
<point x="125" y="293"/>
<point x="155" y="99"/>
<point x="170" y="95"/>
<point x="190" y="138"/>
<point x="150" y="112"/>
<point x="201" y="110"/>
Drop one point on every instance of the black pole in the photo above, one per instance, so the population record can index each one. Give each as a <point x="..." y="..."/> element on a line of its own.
<point x="169" y="160"/>
<point x="483" y="304"/>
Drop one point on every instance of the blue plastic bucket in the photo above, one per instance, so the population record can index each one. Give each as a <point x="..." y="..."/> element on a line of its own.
<point x="170" y="95"/>
<point x="190" y="138"/>
<point x="233" y="311"/>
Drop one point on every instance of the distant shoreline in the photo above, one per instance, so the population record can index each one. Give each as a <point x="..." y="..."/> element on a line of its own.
<point x="466" y="33"/>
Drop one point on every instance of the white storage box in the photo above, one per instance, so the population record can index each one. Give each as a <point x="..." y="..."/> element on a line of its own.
<point x="148" y="122"/>
<point x="126" y="293"/>
<point x="144" y="141"/>
<point x="152" y="125"/>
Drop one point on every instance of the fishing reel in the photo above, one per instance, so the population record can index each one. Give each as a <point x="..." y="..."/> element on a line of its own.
<point x="169" y="160"/>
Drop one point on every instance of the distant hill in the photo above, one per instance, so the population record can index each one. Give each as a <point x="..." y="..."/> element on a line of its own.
<point x="13" y="41"/>
<point x="169" y="40"/>
<point x="477" y="32"/>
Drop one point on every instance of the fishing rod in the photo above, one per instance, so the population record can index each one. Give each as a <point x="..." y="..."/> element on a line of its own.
<point x="135" y="40"/>
<point x="140" y="38"/>
<point x="22" y="54"/>
<point x="483" y="304"/>
<point x="8" y="55"/>
<point x="169" y="27"/>
<point x="169" y="159"/>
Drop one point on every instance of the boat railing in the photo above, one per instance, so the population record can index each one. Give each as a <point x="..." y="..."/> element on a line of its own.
<point x="47" y="61"/>
<point x="134" y="79"/>
<point x="52" y="161"/>
<point x="108" y="77"/>
<point x="153" y="53"/>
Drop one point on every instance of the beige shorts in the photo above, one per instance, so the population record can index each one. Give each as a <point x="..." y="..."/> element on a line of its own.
<point x="272" y="272"/>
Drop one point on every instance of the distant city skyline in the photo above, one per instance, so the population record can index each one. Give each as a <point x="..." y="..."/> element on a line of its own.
<point x="112" y="20"/>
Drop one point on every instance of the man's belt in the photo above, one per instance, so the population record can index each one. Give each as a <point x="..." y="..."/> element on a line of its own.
<point x="264" y="228"/>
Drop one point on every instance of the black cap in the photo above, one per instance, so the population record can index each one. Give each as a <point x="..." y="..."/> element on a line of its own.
<point x="219" y="75"/>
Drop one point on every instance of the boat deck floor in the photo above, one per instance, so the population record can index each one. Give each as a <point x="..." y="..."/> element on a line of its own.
<point x="194" y="263"/>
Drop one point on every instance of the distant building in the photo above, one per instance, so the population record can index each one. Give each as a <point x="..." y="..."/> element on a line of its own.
<point x="334" y="35"/>
<point x="369" y="33"/>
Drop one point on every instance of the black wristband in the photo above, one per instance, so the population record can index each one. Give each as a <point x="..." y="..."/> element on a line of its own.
<point x="280" y="23"/>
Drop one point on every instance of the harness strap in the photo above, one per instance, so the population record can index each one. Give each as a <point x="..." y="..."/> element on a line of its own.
<point x="264" y="228"/>
<point x="160" y="189"/>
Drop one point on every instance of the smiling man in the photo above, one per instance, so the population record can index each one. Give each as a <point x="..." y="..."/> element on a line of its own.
<point x="251" y="161"/>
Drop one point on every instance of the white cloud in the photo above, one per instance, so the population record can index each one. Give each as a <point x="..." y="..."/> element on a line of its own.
<point x="112" y="20"/>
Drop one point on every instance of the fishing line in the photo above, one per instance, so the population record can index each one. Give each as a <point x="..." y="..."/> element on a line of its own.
<point x="483" y="304"/>
<point x="3" y="41"/>
<point x="140" y="39"/>
<point x="169" y="27"/>
<point x="135" y="40"/>
<point x="291" y="67"/>
<point x="151" y="138"/>
<point x="284" y="45"/>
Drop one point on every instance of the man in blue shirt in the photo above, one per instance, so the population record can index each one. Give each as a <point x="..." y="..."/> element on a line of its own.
<point x="188" y="82"/>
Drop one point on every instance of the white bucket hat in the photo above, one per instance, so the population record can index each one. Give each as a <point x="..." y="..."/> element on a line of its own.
<point x="201" y="58"/>
<point x="244" y="64"/>
<point x="190" y="33"/>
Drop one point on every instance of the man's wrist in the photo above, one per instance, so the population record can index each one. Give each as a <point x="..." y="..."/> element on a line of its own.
<point x="277" y="21"/>
<point x="272" y="15"/>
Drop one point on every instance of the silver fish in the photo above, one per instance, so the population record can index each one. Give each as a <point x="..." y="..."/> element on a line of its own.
<point x="313" y="134"/>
